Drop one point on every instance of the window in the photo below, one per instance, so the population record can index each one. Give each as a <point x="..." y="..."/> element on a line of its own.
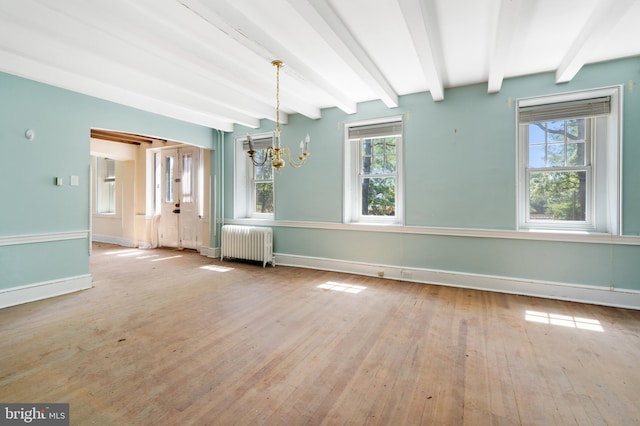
<point x="254" y="184"/>
<point x="569" y="161"/>
<point x="373" y="183"/>
<point x="169" y="179"/>
<point x="105" y="185"/>
<point x="262" y="184"/>
<point x="187" y="181"/>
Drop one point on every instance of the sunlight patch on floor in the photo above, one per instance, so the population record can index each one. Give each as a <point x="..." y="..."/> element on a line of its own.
<point x="564" y="320"/>
<point x="166" y="258"/>
<point x="216" y="268"/>
<point x="147" y="256"/>
<point x="345" y="288"/>
<point x="125" y="252"/>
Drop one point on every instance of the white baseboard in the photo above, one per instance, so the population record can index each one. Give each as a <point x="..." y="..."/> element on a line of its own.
<point x="32" y="292"/>
<point x="108" y="239"/>
<point x="550" y="290"/>
<point x="210" y="251"/>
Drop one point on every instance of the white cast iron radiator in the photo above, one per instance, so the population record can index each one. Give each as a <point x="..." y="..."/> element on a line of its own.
<point x="248" y="243"/>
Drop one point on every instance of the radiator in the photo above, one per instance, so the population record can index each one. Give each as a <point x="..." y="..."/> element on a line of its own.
<point x="247" y="243"/>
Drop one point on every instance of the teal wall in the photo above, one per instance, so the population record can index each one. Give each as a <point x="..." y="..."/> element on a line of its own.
<point x="460" y="172"/>
<point x="31" y="203"/>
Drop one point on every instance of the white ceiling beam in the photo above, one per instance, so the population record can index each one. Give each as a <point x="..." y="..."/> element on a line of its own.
<point x="325" y="21"/>
<point x="229" y="20"/>
<point x="121" y="41"/>
<point x="502" y="43"/>
<point x="79" y="64"/>
<point x="20" y="65"/>
<point x="422" y="24"/>
<point x="194" y="41"/>
<point x="603" y="19"/>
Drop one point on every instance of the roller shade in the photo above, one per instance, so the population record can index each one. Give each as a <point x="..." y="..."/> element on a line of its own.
<point x="258" y="144"/>
<point x="565" y="110"/>
<point x="376" y="130"/>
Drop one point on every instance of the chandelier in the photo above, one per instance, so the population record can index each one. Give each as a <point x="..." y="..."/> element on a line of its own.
<point x="276" y="153"/>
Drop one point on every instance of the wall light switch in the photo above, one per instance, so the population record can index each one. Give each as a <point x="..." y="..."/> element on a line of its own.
<point x="59" y="181"/>
<point x="74" y="181"/>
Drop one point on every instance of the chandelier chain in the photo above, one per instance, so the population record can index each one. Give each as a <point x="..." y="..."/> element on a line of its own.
<point x="278" y="65"/>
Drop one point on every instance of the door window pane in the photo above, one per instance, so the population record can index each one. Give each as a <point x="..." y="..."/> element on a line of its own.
<point x="168" y="178"/>
<point x="187" y="178"/>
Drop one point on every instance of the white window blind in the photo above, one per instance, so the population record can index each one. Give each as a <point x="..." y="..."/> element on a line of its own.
<point x="376" y="130"/>
<point x="565" y="110"/>
<point x="258" y="144"/>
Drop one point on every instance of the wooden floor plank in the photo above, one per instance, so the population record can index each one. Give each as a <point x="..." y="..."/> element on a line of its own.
<point x="172" y="337"/>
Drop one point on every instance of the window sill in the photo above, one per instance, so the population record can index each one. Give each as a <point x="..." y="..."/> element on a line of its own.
<point x="564" y="231"/>
<point x="523" y="234"/>
<point x="374" y="223"/>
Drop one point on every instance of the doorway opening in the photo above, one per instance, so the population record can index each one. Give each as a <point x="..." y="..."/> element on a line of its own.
<point x="158" y="192"/>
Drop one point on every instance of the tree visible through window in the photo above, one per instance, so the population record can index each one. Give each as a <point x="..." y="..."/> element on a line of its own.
<point x="378" y="176"/>
<point x="558" y="167"/>
<point x="263" y="184"/>
<point x="568" y="168"/>
<point x="372" y="168"/>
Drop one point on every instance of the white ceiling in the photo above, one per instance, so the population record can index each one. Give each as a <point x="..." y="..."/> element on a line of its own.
<point x="209" y="61"/>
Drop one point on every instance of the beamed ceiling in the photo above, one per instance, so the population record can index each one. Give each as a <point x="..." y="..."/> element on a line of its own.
<point x="209" y="61"/>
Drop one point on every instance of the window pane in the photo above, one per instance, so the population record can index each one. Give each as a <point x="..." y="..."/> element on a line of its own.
<point x="390" y="164"/>
<point x="187" y="178"/>
<point x="555" y="155"/>
<point x="265" y="171"/>
<point x="379" y="156"/>
<point x="555" y="131"/>
<point x="575" y="154"/>
<point x="379" y="196"/>
<point x="576" y="129"/>
<point x="168" y="179"/>
<point x="536" y="156"/>
<point x="264" y="197"/>
<point x="558" y="196"/>
<point x="537" y="133"/>
<point x="367" y="148"/>
<point x="106" y="186"/>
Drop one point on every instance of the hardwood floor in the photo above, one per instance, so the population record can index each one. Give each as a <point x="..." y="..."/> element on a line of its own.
<point x="170" y="337"/>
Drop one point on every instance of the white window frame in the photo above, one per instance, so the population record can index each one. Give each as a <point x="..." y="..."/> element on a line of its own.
<point x="352" y="189"/>
<point x="604" y="173"/>
<point x="106" y="190"/>
<point x="244" y="184"/>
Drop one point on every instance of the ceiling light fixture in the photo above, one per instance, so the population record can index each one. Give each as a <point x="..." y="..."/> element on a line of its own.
<point x="276" y="153"/>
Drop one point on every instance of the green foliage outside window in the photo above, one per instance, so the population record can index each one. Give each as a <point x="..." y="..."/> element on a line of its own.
<point x="556" y="192"/>
<point x="378" y="176"/>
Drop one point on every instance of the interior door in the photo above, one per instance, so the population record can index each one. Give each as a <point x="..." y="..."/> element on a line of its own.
<point x="180" y="220"/>
<point x="168" y="232"/>
<point x="190" y="223"/>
